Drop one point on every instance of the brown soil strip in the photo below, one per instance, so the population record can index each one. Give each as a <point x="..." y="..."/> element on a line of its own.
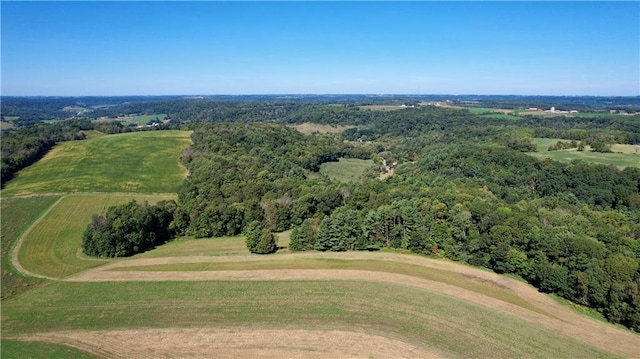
<point x="233" y="343"/>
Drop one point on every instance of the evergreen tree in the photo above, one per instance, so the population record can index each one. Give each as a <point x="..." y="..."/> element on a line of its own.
<point x="267" y="243"/>
<point x="253" y="233"/>
<point x="302" y="237"/>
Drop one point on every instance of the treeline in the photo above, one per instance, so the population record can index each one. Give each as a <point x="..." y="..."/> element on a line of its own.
<point x="587" y="256"/>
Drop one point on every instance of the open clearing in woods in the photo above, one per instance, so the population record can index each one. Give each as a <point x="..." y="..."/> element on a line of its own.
<point x="346" y="169"/>
<point x="308" y="128"/>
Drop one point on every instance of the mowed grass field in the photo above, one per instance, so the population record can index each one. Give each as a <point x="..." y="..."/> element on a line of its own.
<point x="144" y="162"/>
<point x="425" y="319"/>
<point x="346" y="169"/>
<point x="622" y="156"/>
<point x="18" y="214"/>
<point x="51" y="247"/>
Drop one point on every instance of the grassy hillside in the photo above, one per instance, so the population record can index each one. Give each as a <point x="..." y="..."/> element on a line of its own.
<point x="18" y="214"/>
<point x="622" y="156"/>
<point x="144" y="162"/>
<point x="52" y="246"/>
<point x="12" y="349"/>
<point x="423" y="318"/>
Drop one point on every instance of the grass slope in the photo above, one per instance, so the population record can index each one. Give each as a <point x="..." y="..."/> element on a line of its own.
<point x="375" y="265"/>
<point x="21" y="349"/>
<point x="51" y="247"/>
<point x="17" y="215"/>
<point x="346" y="169"/>
<point x="145" y="162"/>
<point x="623" y="156"/>
<point x="420" y="317"/>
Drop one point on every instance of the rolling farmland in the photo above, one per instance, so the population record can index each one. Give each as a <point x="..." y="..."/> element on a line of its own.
<point x="211" y="297"/>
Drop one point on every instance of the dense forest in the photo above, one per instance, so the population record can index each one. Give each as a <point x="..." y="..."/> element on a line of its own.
<point x="464" y="188"/>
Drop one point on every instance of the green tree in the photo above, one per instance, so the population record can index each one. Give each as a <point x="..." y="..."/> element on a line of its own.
<point x="253" y="234"/>
<point x="267" y="243"/>
<point x="302" y="238"/>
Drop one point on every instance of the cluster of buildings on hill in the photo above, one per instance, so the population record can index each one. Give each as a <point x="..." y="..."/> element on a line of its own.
<point x="552" y="110"/>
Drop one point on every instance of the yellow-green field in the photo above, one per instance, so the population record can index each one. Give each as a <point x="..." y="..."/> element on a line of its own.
<point x="51" y="247"/>
<point x="622" y="156"/>
<point x="144" y="162"/>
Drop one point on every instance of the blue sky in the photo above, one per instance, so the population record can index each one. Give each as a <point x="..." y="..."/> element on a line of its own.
<point x="188" y="48"/>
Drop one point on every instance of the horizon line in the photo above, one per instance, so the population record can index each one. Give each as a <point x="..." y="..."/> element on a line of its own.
<point x="319" y="95"/>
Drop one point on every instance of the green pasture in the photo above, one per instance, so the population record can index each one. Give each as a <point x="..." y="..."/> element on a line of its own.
<point x="623" y="155"/>
<point x="453" y="326"/>
<point x="52" y="246"/>
<point x="142" y="119"/>
<point x="346" y="169"/>
<point x="184" y="247"/>
<point x="221" y="246"/>
<point x="143" y="162"/>
<point x="17" y="215"/>
<point x="13" y="349"/>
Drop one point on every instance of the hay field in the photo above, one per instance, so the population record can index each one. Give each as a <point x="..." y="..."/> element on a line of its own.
<point x="51" y="246"/>
<point x="142" y="162"/>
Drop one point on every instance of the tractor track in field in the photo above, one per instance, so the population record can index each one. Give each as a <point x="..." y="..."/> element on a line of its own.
<point x="233" y="343"/>
<point x="16" y="249"/>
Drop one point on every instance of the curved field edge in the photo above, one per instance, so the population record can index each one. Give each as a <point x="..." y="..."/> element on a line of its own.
<point x="18" y="214"/>
<point x="468" y="282"/>
<point x="20" y="349"/>
<point x="450" y="326"/>
<point x="142" y="162"/>
<point x="50" y="247"/>
<point x="232" y="343"/>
